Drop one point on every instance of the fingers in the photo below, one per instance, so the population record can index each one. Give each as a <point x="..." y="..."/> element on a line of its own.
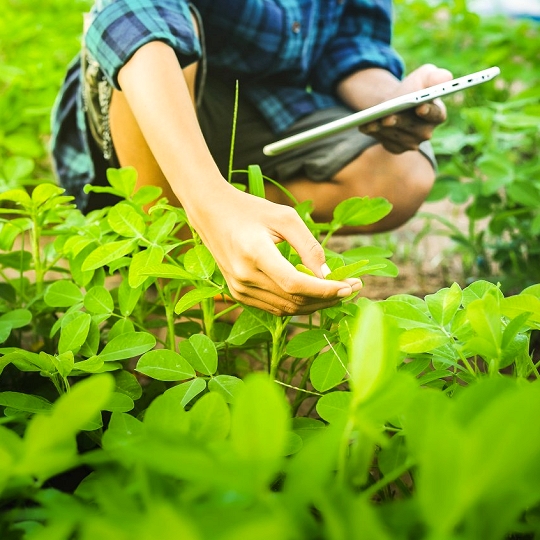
<point x="278" y="287"/>
<point x="244" y="246"/>
<point x="295" y="285"/>
<point x="406" y="130"/>
<point x="423" y="77"/>
<point x="433" y="112"/>
<point x="280" y="304"/>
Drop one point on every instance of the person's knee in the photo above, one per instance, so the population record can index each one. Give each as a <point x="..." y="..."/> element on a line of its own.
<point x="405" y="180"/>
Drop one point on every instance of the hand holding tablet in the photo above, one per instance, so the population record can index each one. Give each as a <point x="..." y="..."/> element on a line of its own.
<point x="381" y="110"/>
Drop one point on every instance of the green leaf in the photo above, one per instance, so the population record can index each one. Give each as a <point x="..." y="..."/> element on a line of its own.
<point x="199" y="262"/>
<point x="485" y="318"/>
<point x="128" y="345"/>
<point x="5" y="330"/>
<point x="140" y="263"/>
<point x="63" y="293"/>
<point x="256" y="181"/>
<point x="358" y="211"/>
<point x="199" y="350"/>
<point x="126" y="221"/>
<point x="161" y="228"/>
<point x="17" y="167"/>
<point x="308" y="343"/>
<point x="210" y="418"/>
<point x="245" y="327"/>
<point x="328" y="370"/>
<point x="17" y="196"/>
<point x="167" y="271"/>
<point x="407" y="313"/>
<point x="374" y="351"/>
<point x="418" y="340"/>
<point x="121" y="326"/>
<point x="259" y="424"/>
<point x="194" y="297"/>
<point x="444" y="304"/>
<point x="334" y="407"/>
<point x="91" y="345"/>
<point x="50" y="445"/>
<point x="187" y="391"/>
<point x="226" y="385"/>
<point x="24" y="402"/>
<point x="98" y="301"/>
<point x="306" y="427"/>
<point x="119" y="402"/>
<point x="123" y="180"/>
<point x="165" y="365"/>
<point x="74" y="333"/>
<point x="91" y="365"/>
<point x="45" y="191"/>
<point x="17" y="318"/>
<point x="479" y="289"/>
<point x="394" y="456"/>
<point x="514" y="306"/>
<point x="145" y="195"/>
<point x="496" y="172"/>
<point x="103" y="255"/>
<point x="127" y="383"/>
<point x="128" y="298"/>
<point x="435" y="375"/>
<point x="166" y="417"/>
<point x="262" y="317"/>
<point x="304" y="269"/>
<point x="64" y="363"/>
<point x="348" y="271"/>
<point x="123" y="430"/>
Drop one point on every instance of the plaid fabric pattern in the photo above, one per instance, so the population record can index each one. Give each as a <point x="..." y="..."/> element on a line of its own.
<point x="288" y="55"/>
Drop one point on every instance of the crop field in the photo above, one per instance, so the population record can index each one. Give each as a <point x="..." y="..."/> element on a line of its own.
<point x="139" y="401"/>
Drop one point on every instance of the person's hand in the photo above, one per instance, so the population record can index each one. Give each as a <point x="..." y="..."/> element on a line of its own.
<point x="241" y="231"/>
<point x="404" y="131"/>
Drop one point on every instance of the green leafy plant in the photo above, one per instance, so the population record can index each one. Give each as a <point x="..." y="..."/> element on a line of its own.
<point x="487" y="150"/>
<point x="133" y="407"/>
<point x="33" y="59"/>
<point x="120" y="372"/>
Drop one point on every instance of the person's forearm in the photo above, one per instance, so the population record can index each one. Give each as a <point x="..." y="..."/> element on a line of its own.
<point x="367" y="87"/>
<point x="156" y="90"/>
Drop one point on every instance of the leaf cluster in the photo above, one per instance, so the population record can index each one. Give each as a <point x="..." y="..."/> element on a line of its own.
<point x="368" y="419"/>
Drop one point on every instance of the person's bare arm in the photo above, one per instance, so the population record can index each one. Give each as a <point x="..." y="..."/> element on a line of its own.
<point x="239" y="229"/>
<point x="406" y="130"/>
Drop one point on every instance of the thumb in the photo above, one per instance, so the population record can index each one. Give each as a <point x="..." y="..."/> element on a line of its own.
<point x="308" y="248"/>
<point x="425" y="76"/>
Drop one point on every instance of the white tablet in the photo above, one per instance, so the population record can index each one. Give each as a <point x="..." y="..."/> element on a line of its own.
<point x="381" y="110"/>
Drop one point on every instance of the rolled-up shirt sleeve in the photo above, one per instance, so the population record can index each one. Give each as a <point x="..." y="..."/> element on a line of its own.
<point x="124" y="26"/>
<point x="363" y="40"/>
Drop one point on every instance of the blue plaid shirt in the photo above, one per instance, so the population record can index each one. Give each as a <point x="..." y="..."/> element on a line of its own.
<point x="288" y="54"/>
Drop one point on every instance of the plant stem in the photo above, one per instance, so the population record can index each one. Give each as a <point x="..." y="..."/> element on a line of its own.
<point x="169" y="314"/>
<point x="208" y="310"/>
<point x="277" y="344"/>
<point x="233" y="134"/>
<point x="387" y="479"/>
<point x="305" y="375"/>
<point x="38" y="267"/>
